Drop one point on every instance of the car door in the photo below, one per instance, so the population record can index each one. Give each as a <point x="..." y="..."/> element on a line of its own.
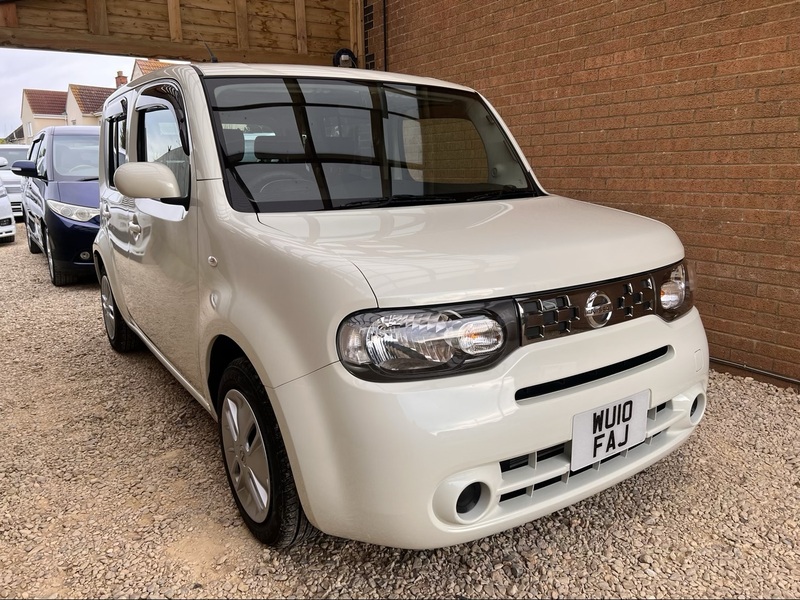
<point x="33" y="189"/>
<point x="116" y="209"/>
<point x="161" y="287"/>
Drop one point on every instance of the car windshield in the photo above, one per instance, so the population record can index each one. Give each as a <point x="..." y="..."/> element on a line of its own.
<point x="12" y="155"/>
<point x="76" y="156"/>
<point x="299" y="144"/>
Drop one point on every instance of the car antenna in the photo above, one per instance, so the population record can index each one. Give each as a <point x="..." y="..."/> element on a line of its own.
<point x="213" y="58"/>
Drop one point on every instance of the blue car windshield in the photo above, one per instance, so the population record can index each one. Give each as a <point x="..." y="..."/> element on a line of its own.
<point x="75" y="156"/>
<point x="300" y="144"/>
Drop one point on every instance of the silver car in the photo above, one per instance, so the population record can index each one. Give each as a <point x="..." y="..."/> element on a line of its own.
<point x="12" y="181"/>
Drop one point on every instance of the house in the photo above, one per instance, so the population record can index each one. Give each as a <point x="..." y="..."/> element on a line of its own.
<point x="80" y="105"/>
<point x="42" y="108"/>
<point x="16" y="137"/>
<point x="85" y="104"/>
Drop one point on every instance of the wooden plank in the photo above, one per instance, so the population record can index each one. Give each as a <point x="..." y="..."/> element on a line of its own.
<point x="97" y="15"/>
<point x="242" y="27"/>
<point x="175" y="23"/>
<point x="300" y="22"/>
<point x="73" y="41"/>
<point x="357" y="30"/>
<point x="8" y="15"/>
<point x="52" y="20"/>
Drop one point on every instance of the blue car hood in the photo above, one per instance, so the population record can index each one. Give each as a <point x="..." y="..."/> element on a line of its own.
<point x="79" y="193"/>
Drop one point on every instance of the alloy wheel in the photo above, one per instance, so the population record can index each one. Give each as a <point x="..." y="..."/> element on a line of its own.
<point x="246" y="455"/>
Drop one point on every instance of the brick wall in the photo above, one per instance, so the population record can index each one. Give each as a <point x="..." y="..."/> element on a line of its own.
<point x="683" y="110"/>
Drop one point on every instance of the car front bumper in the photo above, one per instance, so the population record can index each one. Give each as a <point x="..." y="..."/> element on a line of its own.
<point x="385" y="463"/>
<point x="16" y="204"/>
<point x="7" y="231"/>
<point x="70" y="240"/>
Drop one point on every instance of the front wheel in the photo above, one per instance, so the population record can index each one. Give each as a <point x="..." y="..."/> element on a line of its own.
<point x="33" y="247"/>
<point x="256" y="463"/>
<point x="121" y="337"/>
<point x="58" y="276"/>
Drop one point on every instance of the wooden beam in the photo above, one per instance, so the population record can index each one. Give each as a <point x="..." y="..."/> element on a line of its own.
<point x="8" y="15"/>
<point x="357" y="30"/>
<point x="124" y="46"/>
<point x="175" y="25"/>
<point x="300" y="21"/>
<point x="97" y="13"/>
<point x="242" y="24"/>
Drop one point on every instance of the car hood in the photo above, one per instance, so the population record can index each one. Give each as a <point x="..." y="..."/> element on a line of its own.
<point x="79" y="193"/>
<point x="5" y="208"/>
<point x="9" y="177"/>
<point x="457" y="252"/>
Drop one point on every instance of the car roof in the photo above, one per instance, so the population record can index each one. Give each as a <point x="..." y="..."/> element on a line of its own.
<point x="75" y="129"/>
<point x="281" y="70"/>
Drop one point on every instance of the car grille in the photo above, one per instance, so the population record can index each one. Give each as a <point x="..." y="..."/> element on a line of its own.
<point x="556" y="313"/>
<point x="545" y="473"/>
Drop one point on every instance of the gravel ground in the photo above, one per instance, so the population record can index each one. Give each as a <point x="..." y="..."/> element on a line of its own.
<point x="111" y="484"/>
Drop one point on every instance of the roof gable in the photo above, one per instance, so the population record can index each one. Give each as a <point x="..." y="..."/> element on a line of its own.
<point x="147" y="66"/>
<point x="89" y="98"/>
<point x="46" y="102"/>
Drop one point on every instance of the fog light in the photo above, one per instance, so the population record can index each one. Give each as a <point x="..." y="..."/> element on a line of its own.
<point x="85" y="256"/>
<point x="468" y="499"/>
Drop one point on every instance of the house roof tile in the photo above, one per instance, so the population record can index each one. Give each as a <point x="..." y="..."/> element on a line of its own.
<point x="146" y="66"/>
<point x="46" y="102"/>
<point x="90" y="98"/>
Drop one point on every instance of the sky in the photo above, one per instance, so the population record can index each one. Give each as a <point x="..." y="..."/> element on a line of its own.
<point x="41" y="70"/>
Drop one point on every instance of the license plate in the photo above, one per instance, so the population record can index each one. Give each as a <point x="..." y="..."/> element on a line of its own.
<point x="609" y="430"/>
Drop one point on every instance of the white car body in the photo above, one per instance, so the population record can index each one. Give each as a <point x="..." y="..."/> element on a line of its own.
<point x="12" y="181"/>
<point x="386" y="461"/>
<point x="8" y="227"/>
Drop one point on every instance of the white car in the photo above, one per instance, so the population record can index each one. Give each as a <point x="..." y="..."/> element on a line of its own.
<point x="8" y="227"/>
<point x="404" y="339"/>
<point x="11" y="153"/>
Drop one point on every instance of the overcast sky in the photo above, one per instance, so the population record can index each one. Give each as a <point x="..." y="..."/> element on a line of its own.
<point x="40" y="70"/>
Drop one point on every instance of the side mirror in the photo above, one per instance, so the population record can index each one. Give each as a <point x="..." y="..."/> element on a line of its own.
<point x="24" y="168"/>
<point x="146" y="180"/>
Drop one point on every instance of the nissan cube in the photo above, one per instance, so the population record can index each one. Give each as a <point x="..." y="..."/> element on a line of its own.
<point x="403" y="338"/>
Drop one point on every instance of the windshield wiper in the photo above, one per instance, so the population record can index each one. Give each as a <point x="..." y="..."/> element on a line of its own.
<point x="508" y="191"/>
<point x="396" y="200"/>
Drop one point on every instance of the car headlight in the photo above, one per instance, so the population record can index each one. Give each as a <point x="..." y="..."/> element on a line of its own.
<point x="674" y="291"/>
<point x="72" y="211"/>
<point x="427" y="342"/>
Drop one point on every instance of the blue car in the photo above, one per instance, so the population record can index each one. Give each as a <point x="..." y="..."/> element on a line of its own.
<point x="60" y="199"/>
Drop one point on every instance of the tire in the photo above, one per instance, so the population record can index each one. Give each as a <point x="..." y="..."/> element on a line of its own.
<point x="58" y="276"/>
<point x="255" y="460"/>
<point x="33" y="247"/>
<point x="120" y="336"/>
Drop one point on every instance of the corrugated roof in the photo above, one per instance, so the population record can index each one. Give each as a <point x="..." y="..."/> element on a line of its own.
<point x="146" y="66"/>
<point x="90" y="98"/>
<point x="46" y="102"/>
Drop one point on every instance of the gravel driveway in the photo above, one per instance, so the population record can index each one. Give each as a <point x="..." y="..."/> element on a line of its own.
<point x="111" y="484"/>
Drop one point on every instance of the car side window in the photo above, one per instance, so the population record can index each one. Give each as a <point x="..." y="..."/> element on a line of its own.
<point x="39" y="158"/>
<point x="162" y="135"/>
<point x="118" y="146"/>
